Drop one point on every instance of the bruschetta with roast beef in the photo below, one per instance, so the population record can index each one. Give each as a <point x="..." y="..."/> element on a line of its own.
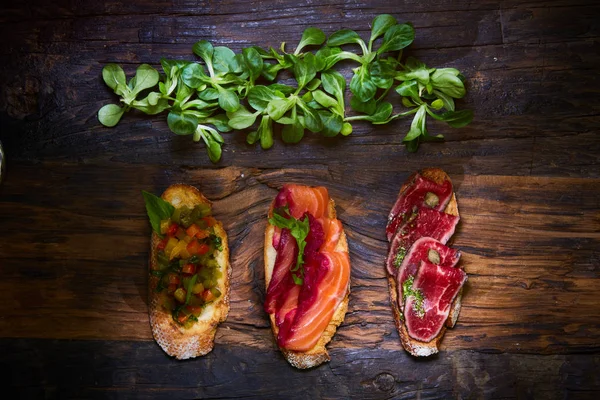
<point x="307" y="273"/>
<point x="188" y="294"/>
<point x="425" y="280"/>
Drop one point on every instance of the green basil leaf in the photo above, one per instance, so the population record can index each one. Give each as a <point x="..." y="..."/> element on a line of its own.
<point x="324" y="100"/>
<point x="335" y="84"/>
<point x="416" y="125"/>
<point x="447" y="100"/>
<point x="110" y="115"/>
<point x="228" y="100"/>
<point x="310" y="37"/>
<point x="292" y="133"/>
<point x="368" y="107"/>
<point x="311" y="120"/>
<point x="397" y="37"/>
<point x="383" y="72"/>
<point x="281" y="90"/>
<point x="220" y="121"/>
<point x="157" y="210"/>
<point x="146" y="77"/>
<point x="265" y="130"/>
<point x="409" y="88"/>
<point x="170" y="66"/>
<point x="344" y="36"/>
<point x="214" y="151"/>
<point x="113" y="75"/>
<point x="204" y="49"/>
<point x="278" y="107"/>
<point x="314" y="84"/>
<point x="253" y="61"/>
<point x="382" y="113"/>
<point x="447" y="82"/>
<point x="182" y="123"/>
<point x="323" y="55"/>
<point x="270" y="71"/>
<point x="208" y="94"/>
<point x="252" y="137"/>
<point x="224" y="60"/>
<point x="151" y="109"/>
<point x="153" y="98"/>
<point x="380" y="25"/>
<point x="260" y="96"/>
<point x="332" y="123"/>
<point x="412" y="145"/>
<point x="242" y="118"/>
<point x="193" y="75"/>
<point x="412" y="64"/>
<point x="305" y="70"/>
<point x="361" y="84"/>
<point x="458" y="119"/>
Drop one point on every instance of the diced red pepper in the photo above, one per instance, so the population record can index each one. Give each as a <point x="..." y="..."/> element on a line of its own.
<point x="173" y="279"/>
<point x="196" y="248"/>
<point x="210" y="221"/>
<point x="189" y="269"/>
<point x="180" y="234"/>
<point x="207" y="295"/>
<point x="195" y="231"/>
<point x="172" y="229"/>
<point x="171" y="289"/>
<point x="196" y="310"/>
<point x="202" y="234"/>
<point x="162" y="244"/>
<point x="192" y="230"/>
<point x="182" y="318"/>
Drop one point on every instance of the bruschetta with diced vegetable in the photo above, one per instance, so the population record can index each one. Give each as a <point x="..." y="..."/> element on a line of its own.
<point x="188" y="293"/>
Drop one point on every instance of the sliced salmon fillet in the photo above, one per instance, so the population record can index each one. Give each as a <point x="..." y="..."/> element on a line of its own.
<point x="333" y="230"/>
<point x="318" y="300"/>
<point x="302" y="199"/>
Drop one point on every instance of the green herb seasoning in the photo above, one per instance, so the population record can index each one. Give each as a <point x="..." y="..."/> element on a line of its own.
<point x="417" y="294"/>
<point x="399" y="257"/>
<point x="299" y="230"/>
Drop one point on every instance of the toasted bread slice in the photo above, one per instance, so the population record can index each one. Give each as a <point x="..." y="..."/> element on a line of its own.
<point x="318" y="354"/>
<point x="415" y="347"/>
<point x="198" y="340"/>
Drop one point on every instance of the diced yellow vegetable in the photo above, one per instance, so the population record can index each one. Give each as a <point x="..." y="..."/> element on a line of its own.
<point x="184" y="253"/>
<point x="180" y="295"/>
<point x="170" y="246"/>
<point x="179" y="247"/>
<point x="198" y="288"/>
<point x="164" y="226"/>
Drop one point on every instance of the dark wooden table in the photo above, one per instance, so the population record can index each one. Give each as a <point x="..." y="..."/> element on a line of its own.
<point x="74" y="238"/>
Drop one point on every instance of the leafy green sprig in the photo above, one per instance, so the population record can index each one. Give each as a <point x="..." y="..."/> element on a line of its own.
<point x="224" y="92"/>
<point x="299" y="230"/>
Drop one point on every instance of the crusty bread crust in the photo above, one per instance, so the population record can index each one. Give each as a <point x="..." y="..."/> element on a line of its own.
<point x="416" y="347"/>
<point x="318" y="354"/>
<point x="197" y="340"/>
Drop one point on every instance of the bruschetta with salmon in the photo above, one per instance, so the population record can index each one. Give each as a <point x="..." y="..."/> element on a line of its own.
<point x="188" y="294"/>
<point x="307" y="273"/>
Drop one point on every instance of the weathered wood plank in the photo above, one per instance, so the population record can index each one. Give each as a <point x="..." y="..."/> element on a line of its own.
<point x="87" y="268"/>
<point x="76" y="369"/>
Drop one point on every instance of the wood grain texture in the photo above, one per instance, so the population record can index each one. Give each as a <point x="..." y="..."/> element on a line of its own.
<point x="74" y="241"/>
<point x="139" y="369"/>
